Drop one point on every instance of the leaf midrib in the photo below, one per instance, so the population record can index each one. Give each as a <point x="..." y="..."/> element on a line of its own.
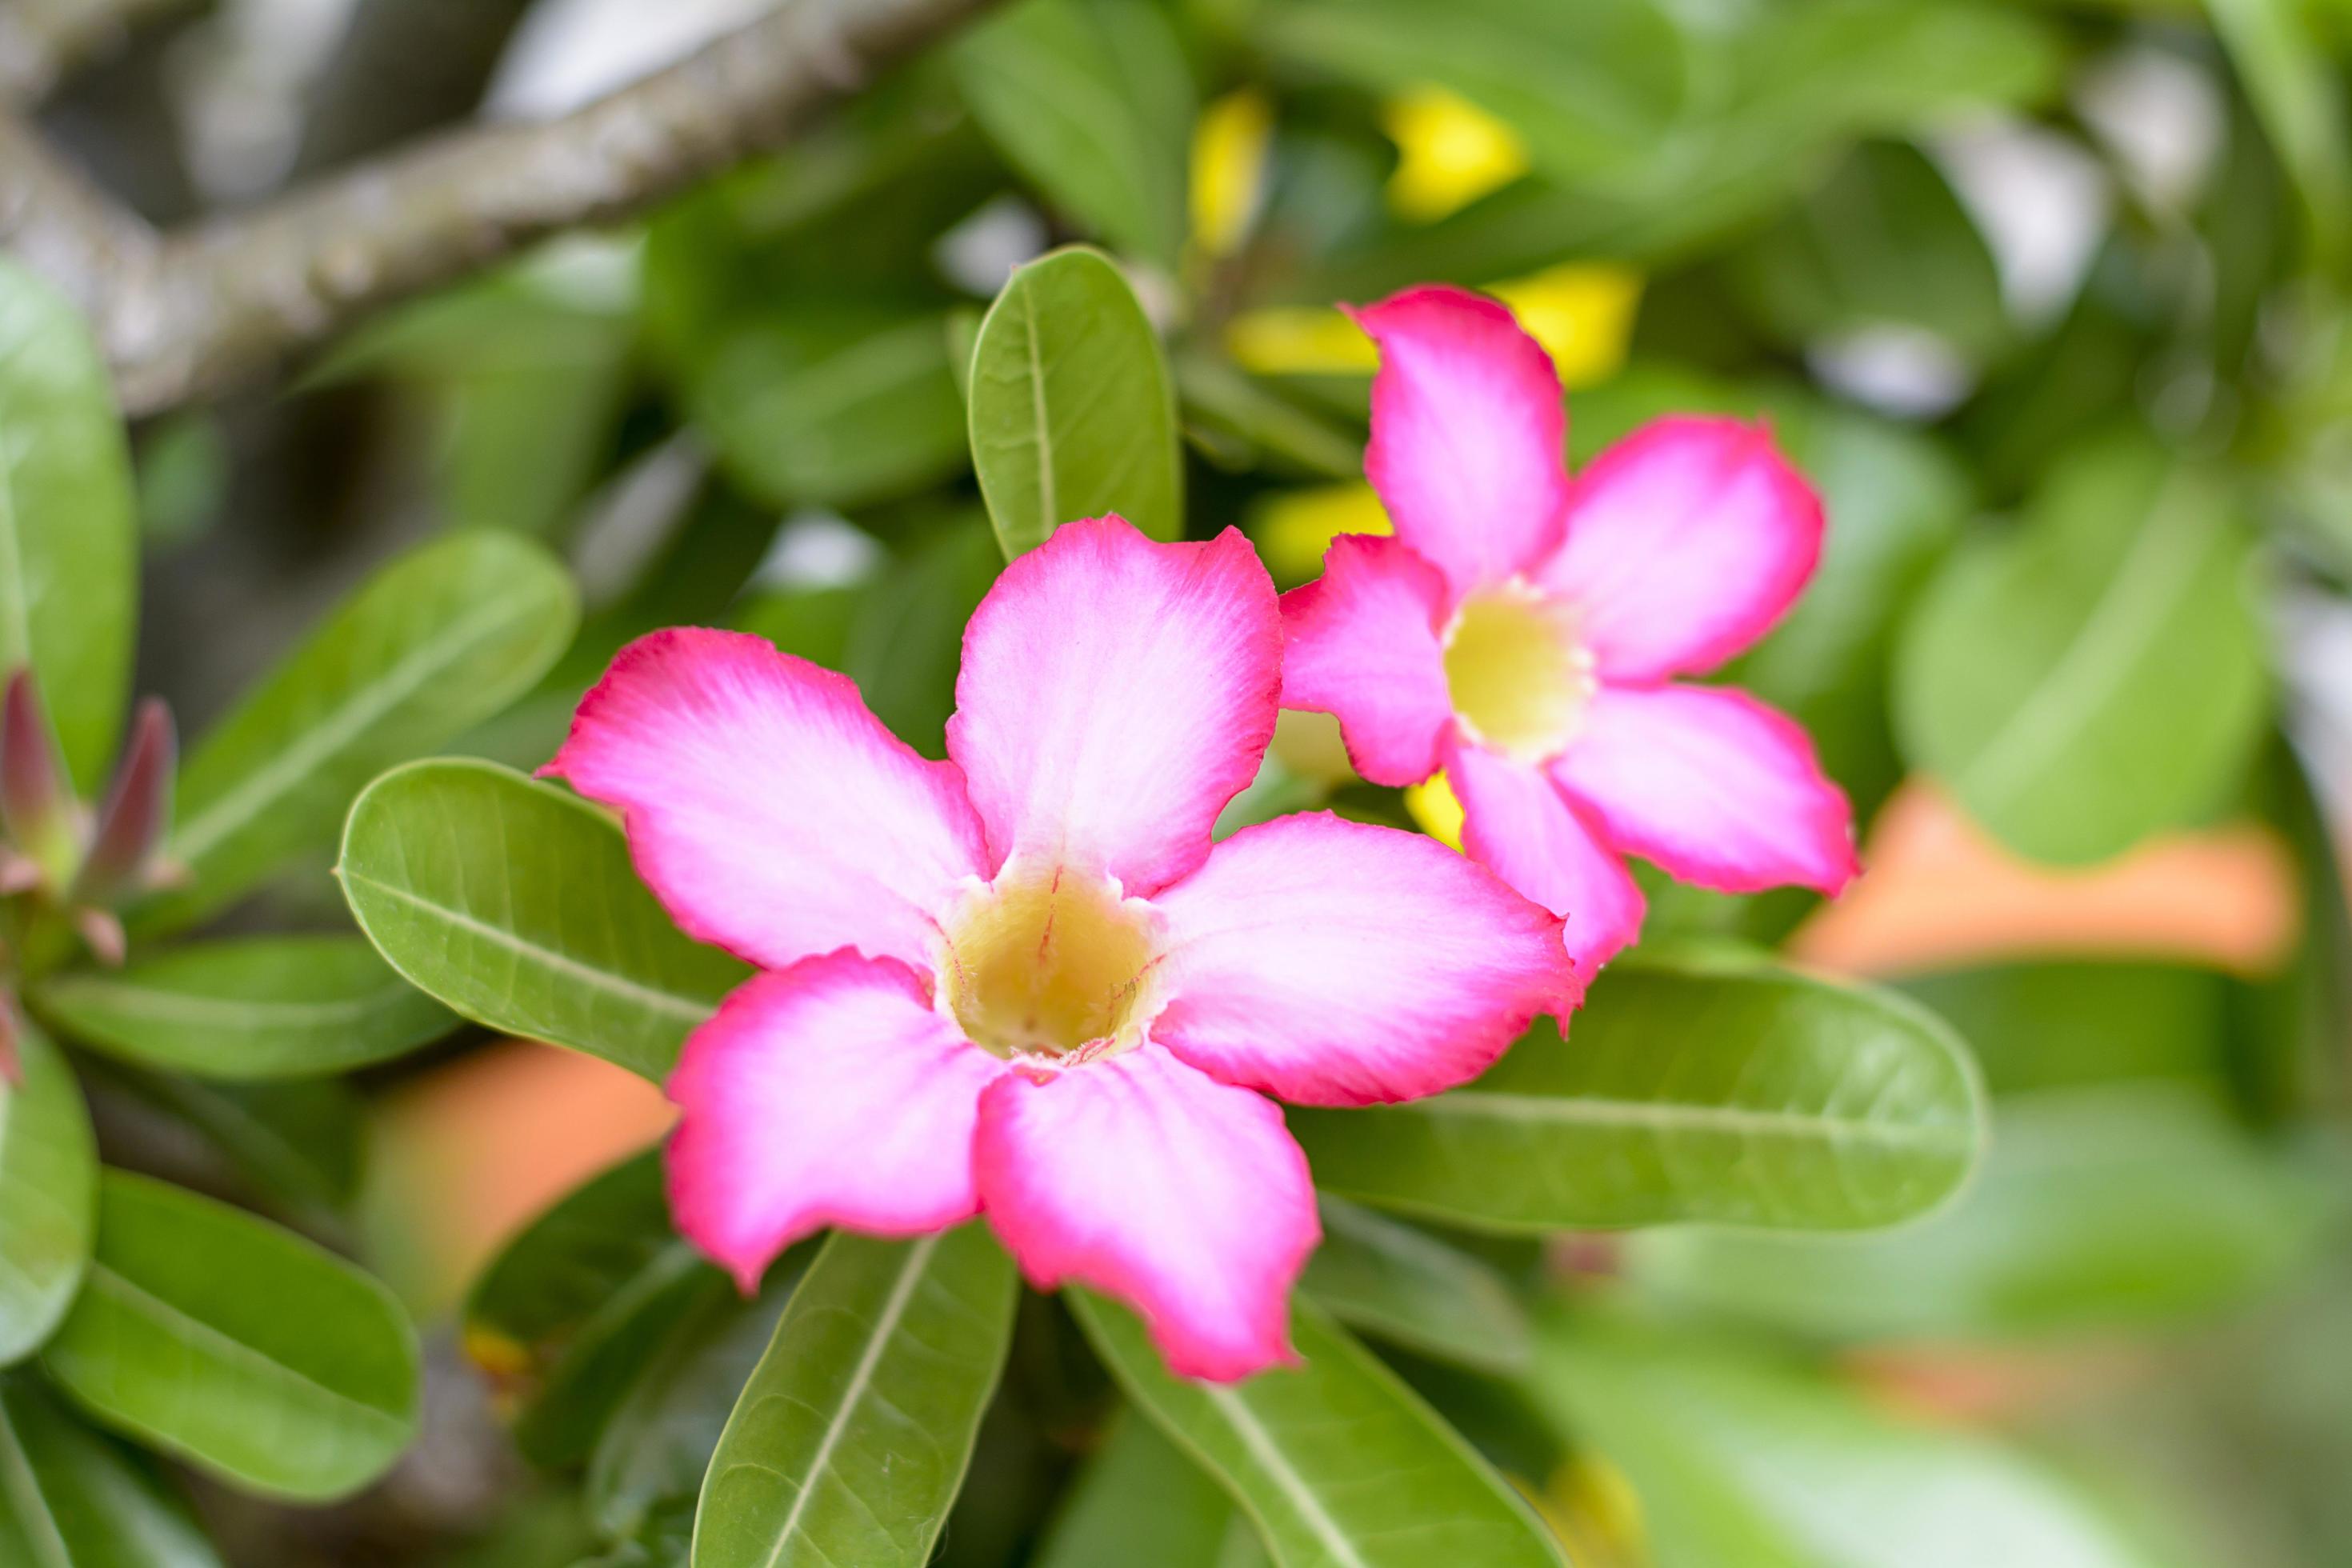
<point x="687" y="1008"/>
<point x="287" y="771"/>
<point x="1686" y="1117"/>
<point x="181" y="1323"/>
<point x="885" y="1324"/>
<point x="159" y="1004"/>
<point x="1294" y="1486"/>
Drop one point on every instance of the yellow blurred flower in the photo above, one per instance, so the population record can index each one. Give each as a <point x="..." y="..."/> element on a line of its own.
<point x="1581" y="311"/>
<point x="1230" y="144"/>
<point x="1592" y="1508"/>
<point x="1450" y="152"/>
<point x="1582" y="314"/>
<point x="1435" y="809"/>
<point x="1292" y="529"/>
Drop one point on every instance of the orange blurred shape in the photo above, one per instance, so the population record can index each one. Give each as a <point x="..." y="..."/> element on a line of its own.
<point x="1938" y="893"/>
<point x="470" y="1153"/>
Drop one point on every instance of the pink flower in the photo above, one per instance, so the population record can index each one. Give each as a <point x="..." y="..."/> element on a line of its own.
<point x="1521" y="630"/>
<point x="1022" y="981"/>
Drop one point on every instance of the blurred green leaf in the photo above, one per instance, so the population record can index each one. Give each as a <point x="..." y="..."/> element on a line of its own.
<point x="1073" y="413"/>
<point x="1397" y="1282"/>
<point x="1141" y="1502"/>
<point x="1685" y="1090"/>
<point x="2097" y="1209"/>
<point x="68" y="532"/>
<point x="236" y="1346"/>
<point x="70" y="1499"/>
<point x="1092" y="100"/>
<point x="295" y="1141"/>
<point x="2097" y="674"/>
<point x="1337" y="1461"/>
<point x="49" y="1194"/>
<point x="250" y="1007"/>
<point x="657" y="1446"/>
<point x="514" y="902"/>
<point x="1590" y="87"/>
<point x="1739" y="1458"/>
<point x="904" y="643"/>
<point x="2299" y="96"/>
<point x="851" y="1438"/>
<point x="1883" y="242"/>
<point x="2056" y="1024"/>
<point x="439" y="640"/>
<point x="832" y="402"/>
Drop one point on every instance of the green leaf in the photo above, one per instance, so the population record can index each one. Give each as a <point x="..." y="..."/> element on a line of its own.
<point x="1073" y="413"/>
<point x="251" y="1007"/>
<point x="2284" y="67"/>
<point x="2098" y="674"/>
<point x="515" y="904"/>
<point x="236" y="1346"/>
<point x="1884" y="240"/>
<point x="656" y="1447"/>
<point x="567" y="1315"/>
<point x="2098" y="1209"/>
<point x="851" y="1438"/>
<point x="68" y="532"/>
<point x="1397" y="1282"/>
<point x="48" y="1196"/>
<point x="1141" y="1502"/>
<point x="1686" y="1090"/>
<point x="903" y="644"/>
<point x="70" y="1499"/>
<point x="438" y="641"/>
<point x="1739" y="1458"/>
<point x="297" y="1141"/>
<point x="1093" y="100"/>
<point x="1590" y="87"/>
<point x="1340" y="1465"/>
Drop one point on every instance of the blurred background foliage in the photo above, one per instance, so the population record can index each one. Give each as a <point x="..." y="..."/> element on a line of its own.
<point x="2051" y="300"/>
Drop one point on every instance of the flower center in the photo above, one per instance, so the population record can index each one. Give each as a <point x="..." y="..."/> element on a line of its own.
<point x="1050" y="964"/>
<point x="1518" y="676"/>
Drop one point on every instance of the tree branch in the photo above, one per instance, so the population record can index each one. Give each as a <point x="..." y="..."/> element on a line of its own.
<point x="183" y="314"/>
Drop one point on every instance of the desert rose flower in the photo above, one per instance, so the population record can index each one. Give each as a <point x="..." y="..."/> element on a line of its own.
<point x="1022" y="981"/>
<point x="1523" y="631"/>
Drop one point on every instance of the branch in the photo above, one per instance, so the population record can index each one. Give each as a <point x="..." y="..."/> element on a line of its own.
<point x="42" y="41"/>
<point x="185" y="314"/>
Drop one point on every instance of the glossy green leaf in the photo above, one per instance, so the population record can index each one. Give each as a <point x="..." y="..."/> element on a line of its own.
<point x="438" y="641"/>
<point x="1142" y="1502"/>
<point x="1340" y="1464"/>
<point x="1093" y="100"/>
<point x="250" y="1007"/>
<point x="515" y="904"/>
<point x="2097" y="674"/>
<point x="48" y="1196"/>
<point x="70" y="1499"/>
<point x="1688" y="1089"/>
<point x="1740" y="1458"/>
<point x="566" y="1317"/>
<point x="2098" y="1208"/>
<point x="68" y="532"/>
<point x="1397" y="1282"/>
<point x="1073" y="413"/>
<point x="851" y="1438"/>
<point x="237" y="1346"/>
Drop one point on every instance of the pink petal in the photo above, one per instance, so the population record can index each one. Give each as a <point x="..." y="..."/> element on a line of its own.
<point x="1468" y="432"/>
<point x="1686" y="542"/>
<point x="1361" y="642"/>
<point x="769" y="810"/>
<point x="828" y="1093"/>
<point x="1334" y="962"/>
<point x="1714" y="786"/>
<point x="1115" y="694"/>
<point x="1515" y="821"/>
<point x="1183" y="1196"/>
